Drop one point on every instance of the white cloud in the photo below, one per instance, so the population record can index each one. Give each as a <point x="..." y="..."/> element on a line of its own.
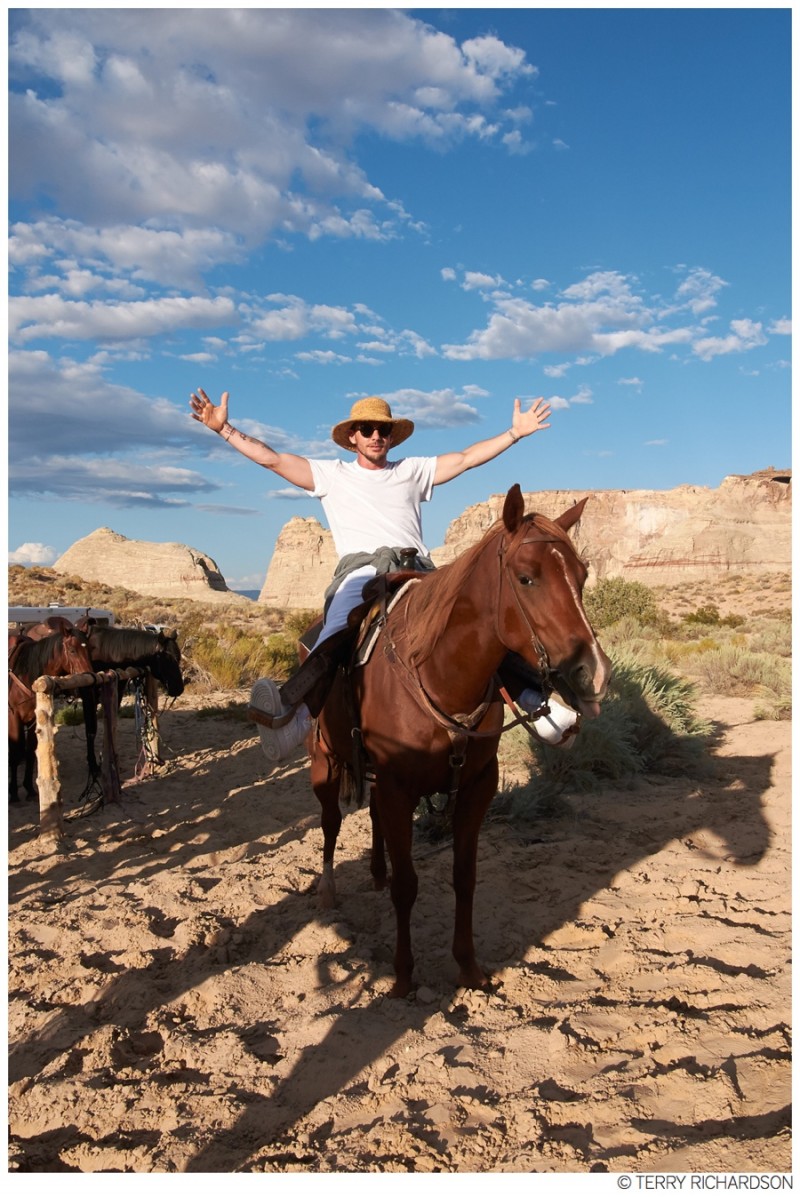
<point x="36" y="317"/>
<point x="287" y="492"/>
<point x="781" y="328"/>
<point x="297" y="319"/>
<point x="583" y="395"/>
<point x="519" y="329"/>
<point x="157" y="122"/>
<point x="474" y="280"/>
<point x="434" y="409"/>
<point x="515" y="144"/>
<point x="744" y="335"/>
<point x="698" y="291"/>
<point x="168" y="256"/>
<point x="323" y="357"/>
<point x="448" y="274"/>
<point x="33" y="554"/>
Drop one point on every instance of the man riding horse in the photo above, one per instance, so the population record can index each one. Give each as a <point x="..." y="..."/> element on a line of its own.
<point x="373" y="506"/>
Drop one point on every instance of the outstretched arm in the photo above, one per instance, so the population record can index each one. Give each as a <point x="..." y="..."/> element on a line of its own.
<point x="215" y="416"/>
<point x="523" y="423"/>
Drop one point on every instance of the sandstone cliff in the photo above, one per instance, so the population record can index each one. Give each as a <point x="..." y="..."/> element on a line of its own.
<point x="301" y="567"/>
<point x="162" y="570"/>
<point x="653" y="536"/>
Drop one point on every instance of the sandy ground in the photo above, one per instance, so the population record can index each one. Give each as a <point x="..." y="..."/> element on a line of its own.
<point x="179" y="1003"/>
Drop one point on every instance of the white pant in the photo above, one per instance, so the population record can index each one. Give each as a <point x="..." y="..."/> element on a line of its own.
<point x="347" y="596"/>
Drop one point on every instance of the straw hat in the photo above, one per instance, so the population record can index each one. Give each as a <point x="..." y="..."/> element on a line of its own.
<point x="376" y="410"/>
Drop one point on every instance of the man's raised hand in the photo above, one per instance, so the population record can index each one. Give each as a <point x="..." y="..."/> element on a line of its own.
<point x="532" y="420"/>
<point x="214" y="416"/>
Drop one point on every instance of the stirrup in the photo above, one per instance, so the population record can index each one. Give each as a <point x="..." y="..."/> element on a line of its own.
<point x="280" y="731"/>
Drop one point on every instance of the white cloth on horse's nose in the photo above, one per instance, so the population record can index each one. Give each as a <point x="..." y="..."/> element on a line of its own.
<point x="347" y="596"/>
<point x="551" y="728"/>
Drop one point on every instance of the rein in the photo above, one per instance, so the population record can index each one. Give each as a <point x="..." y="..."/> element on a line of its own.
<point x="22" y="685"/>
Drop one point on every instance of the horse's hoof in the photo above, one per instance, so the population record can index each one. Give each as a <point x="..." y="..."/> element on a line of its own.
<point x="400" y="989"/>
<point x="474" y="978"/>
<point x="327" y="897"/>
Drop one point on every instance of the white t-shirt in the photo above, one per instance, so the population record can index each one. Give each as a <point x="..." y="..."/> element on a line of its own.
<point x="370" y="508"/>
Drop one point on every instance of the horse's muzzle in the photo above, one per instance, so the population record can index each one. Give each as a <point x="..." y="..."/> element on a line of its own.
<point x="588" y="682"/>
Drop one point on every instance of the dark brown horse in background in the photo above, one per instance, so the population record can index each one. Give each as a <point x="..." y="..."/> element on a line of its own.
<point x="429" y="713"/>
<point x="118" y="648"/>
<point x="55" y="649"/>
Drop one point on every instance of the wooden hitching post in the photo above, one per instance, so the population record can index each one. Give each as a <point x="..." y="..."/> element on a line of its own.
<point x="51" y="823"/>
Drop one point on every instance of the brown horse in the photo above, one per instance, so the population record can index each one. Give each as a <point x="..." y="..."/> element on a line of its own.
<point x="427" y="709"/>
<point x="63" y="650"/>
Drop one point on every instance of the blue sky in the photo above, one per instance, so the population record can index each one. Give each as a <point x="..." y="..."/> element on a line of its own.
<point x="446" y="207"/>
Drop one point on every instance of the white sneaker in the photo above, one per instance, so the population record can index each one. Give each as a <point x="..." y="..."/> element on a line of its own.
<point x="278" y="742"/>
<point x="556" y="728"/>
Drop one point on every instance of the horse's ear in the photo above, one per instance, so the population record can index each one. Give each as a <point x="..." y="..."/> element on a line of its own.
<point x="58" y="623"/>
<point x="513" y="508"/>
<point x="571" y="516"/>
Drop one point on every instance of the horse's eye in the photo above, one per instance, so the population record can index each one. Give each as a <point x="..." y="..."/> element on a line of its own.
<point x="524" y="580"/>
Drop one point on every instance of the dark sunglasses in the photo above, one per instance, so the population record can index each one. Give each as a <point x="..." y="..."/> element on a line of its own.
<point x="383" y="430"/>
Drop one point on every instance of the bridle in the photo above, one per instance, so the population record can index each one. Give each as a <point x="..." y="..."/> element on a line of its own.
<point x="506" y="549"/>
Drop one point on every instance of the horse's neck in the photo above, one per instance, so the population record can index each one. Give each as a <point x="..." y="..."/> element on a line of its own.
<point x="467" y="654"/>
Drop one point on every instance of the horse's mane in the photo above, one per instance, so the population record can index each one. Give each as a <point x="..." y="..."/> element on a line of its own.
<point x="430" y="604"/>
<point x="120" y="644"/>
<point x="35" y="655"/>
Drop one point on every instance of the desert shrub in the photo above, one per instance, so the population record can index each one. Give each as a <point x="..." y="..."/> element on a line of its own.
<point x="69" y="715"/>
<point x="704" y="615"/>
<point x="231" y="658"/>
<point x="709" y="616"/>
<point x="774" y="704"/>
<point x="296" y="622"/>
<point x="647" y="724"/>
<point x="735" y="671"/>
<point x="613" y="599"/>
<point x="773" y="636"/>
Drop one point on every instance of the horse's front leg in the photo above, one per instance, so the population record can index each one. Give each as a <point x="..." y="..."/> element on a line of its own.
<point x="88" y="698"/>
<point x="151" y="698"/>
<point x="396" y="827"/>
<point x="377" y="859"/>
<point x="325" y="781"/>
<point x="471" y="805"/>
<point x="29" y="779"/>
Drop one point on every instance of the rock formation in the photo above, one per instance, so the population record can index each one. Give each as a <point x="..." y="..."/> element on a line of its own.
<point x="659" y="537"/>
<point x="652" y="536"/>
<point x="146" y="567"/>
<point x="301" y="567"/>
